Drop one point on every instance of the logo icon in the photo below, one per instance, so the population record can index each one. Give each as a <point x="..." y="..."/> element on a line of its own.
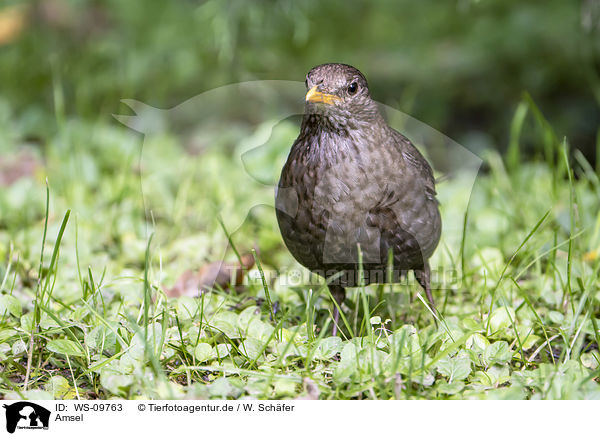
<point x="26" y="415"/>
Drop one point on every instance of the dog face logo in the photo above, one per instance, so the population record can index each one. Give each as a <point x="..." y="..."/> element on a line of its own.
<point x="26" y="415"/>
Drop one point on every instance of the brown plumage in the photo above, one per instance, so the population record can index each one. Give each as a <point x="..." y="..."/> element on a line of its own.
<point x="351" y="180"/>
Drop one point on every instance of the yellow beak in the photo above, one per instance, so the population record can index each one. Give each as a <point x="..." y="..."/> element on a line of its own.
<point x="315" y="96"/>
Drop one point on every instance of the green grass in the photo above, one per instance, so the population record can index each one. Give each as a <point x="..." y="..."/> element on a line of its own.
<point x="83" y="313"/>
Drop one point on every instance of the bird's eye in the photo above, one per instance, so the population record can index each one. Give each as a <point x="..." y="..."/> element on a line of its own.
<point x="353" y="88"/>
<point x="306" y="83"/>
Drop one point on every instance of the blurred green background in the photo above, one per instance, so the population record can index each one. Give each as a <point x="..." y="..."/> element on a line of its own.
<point x="460" y="66"/>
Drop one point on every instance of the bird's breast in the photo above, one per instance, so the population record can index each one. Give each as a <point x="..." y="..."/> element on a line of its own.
<point x="330" y="194"/>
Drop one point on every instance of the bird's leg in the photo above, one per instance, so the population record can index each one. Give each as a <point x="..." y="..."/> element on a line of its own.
<point x="339" y="294"/>
<point x="336" y="320"/>
<point x="423" y="277"/>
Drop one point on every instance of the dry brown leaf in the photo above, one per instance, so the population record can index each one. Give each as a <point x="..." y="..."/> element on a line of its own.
<point x="17" y="166"/>
<point x="213" y="274"/>
<point x="311" y="388"/>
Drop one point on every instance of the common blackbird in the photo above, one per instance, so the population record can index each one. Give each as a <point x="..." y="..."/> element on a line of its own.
<point x="351" y="185"/>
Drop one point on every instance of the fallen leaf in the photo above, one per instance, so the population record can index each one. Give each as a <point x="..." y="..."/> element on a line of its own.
<point x="311" y="388"/>
<point x="213" y="274"/>
<point x="18" y="166"/>
<point x="78" y="20"/>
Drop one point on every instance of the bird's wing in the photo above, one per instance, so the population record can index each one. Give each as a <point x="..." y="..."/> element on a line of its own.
<point x="416" y="160"/>
<point x="407" y="213"/>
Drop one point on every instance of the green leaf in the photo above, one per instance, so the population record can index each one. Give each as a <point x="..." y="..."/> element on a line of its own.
<point x="497" y="352"/>
<point x="101" y="338"/>
<point x="252" y="348"/>
<point x="224" y="388"/>
<point x="455" y="368"/>
<point x="347" y="366"/>
<point x="370" y="359"/>
<point x="477" y="342"/>
<point x="405" y="341"/>
<point x="527" y="378"/>
<point x="328" y="348"/>
<point x="507" y="393"/>
<point x="349" y="353"/>
<point x="19" y="347"/>
<point x="450" y="388"/>
<point x="285" y="387"/>
<point x="494" y="376"/>
<point x="60" y="388"/>
<point x="6" y="334"/>
<point x="226" y="322"/>
<point x="591" y="359"/>
<point x="115" y="383"/>
<point x="246" y="317"/>
<point x="290" y="350"/>
<point x="64" y="346"/>
<point x="10" y="304"/>
<point x="34" y="395"/>
<point x="223" y="350"/>
<point x="530" y="341"/>
<point x="186" y="307"/>
<point x="259" y="330"/>
<point x="47" y="323"/>
<point x="27" y="321"/>
<point x="556" y="317"/>
<point x="139" y="345"/>
<point x="499" y="318"/>
<point x="204" y="352"/>
<point x="5" y="350"/>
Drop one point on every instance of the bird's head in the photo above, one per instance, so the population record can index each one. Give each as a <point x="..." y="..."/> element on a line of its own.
<point x="340" y="93"/>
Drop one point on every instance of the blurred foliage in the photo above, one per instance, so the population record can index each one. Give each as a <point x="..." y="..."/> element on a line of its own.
<point x="520" y="320"/>
<point x="460" y="66"/>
